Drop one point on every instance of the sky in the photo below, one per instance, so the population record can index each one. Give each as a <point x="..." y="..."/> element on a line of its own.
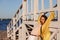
<point x="8" y="8"/>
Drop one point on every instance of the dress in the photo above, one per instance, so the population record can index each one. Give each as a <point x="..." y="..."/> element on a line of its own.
<point x="35" y="31"/>
<point x="33" y="38"/>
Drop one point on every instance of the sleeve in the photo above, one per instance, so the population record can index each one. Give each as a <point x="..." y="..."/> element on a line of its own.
<point x="46" y="24"/>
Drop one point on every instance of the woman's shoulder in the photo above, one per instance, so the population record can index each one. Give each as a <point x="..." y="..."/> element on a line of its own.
<point x="36" y="30"/>
<point x="37" y="27"/>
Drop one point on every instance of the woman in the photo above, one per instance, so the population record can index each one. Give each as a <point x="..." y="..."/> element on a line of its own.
<point x="42" y="31"/>
<point x="36" y="32"/>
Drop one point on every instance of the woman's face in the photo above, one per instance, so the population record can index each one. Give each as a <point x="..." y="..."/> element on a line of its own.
<point x="42" y="20"/>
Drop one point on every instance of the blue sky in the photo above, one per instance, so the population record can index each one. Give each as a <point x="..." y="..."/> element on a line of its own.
<point x="9" y="7"/>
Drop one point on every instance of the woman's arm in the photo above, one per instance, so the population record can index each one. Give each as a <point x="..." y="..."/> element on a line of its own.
<point x="36" y="31"/>
<point x="46" y="24"/>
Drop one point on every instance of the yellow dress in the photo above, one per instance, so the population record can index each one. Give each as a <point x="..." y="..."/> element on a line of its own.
<point x="45" y="29"/>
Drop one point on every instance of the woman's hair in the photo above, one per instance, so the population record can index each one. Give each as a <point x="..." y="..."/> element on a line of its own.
<point x="44" y="17"/>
